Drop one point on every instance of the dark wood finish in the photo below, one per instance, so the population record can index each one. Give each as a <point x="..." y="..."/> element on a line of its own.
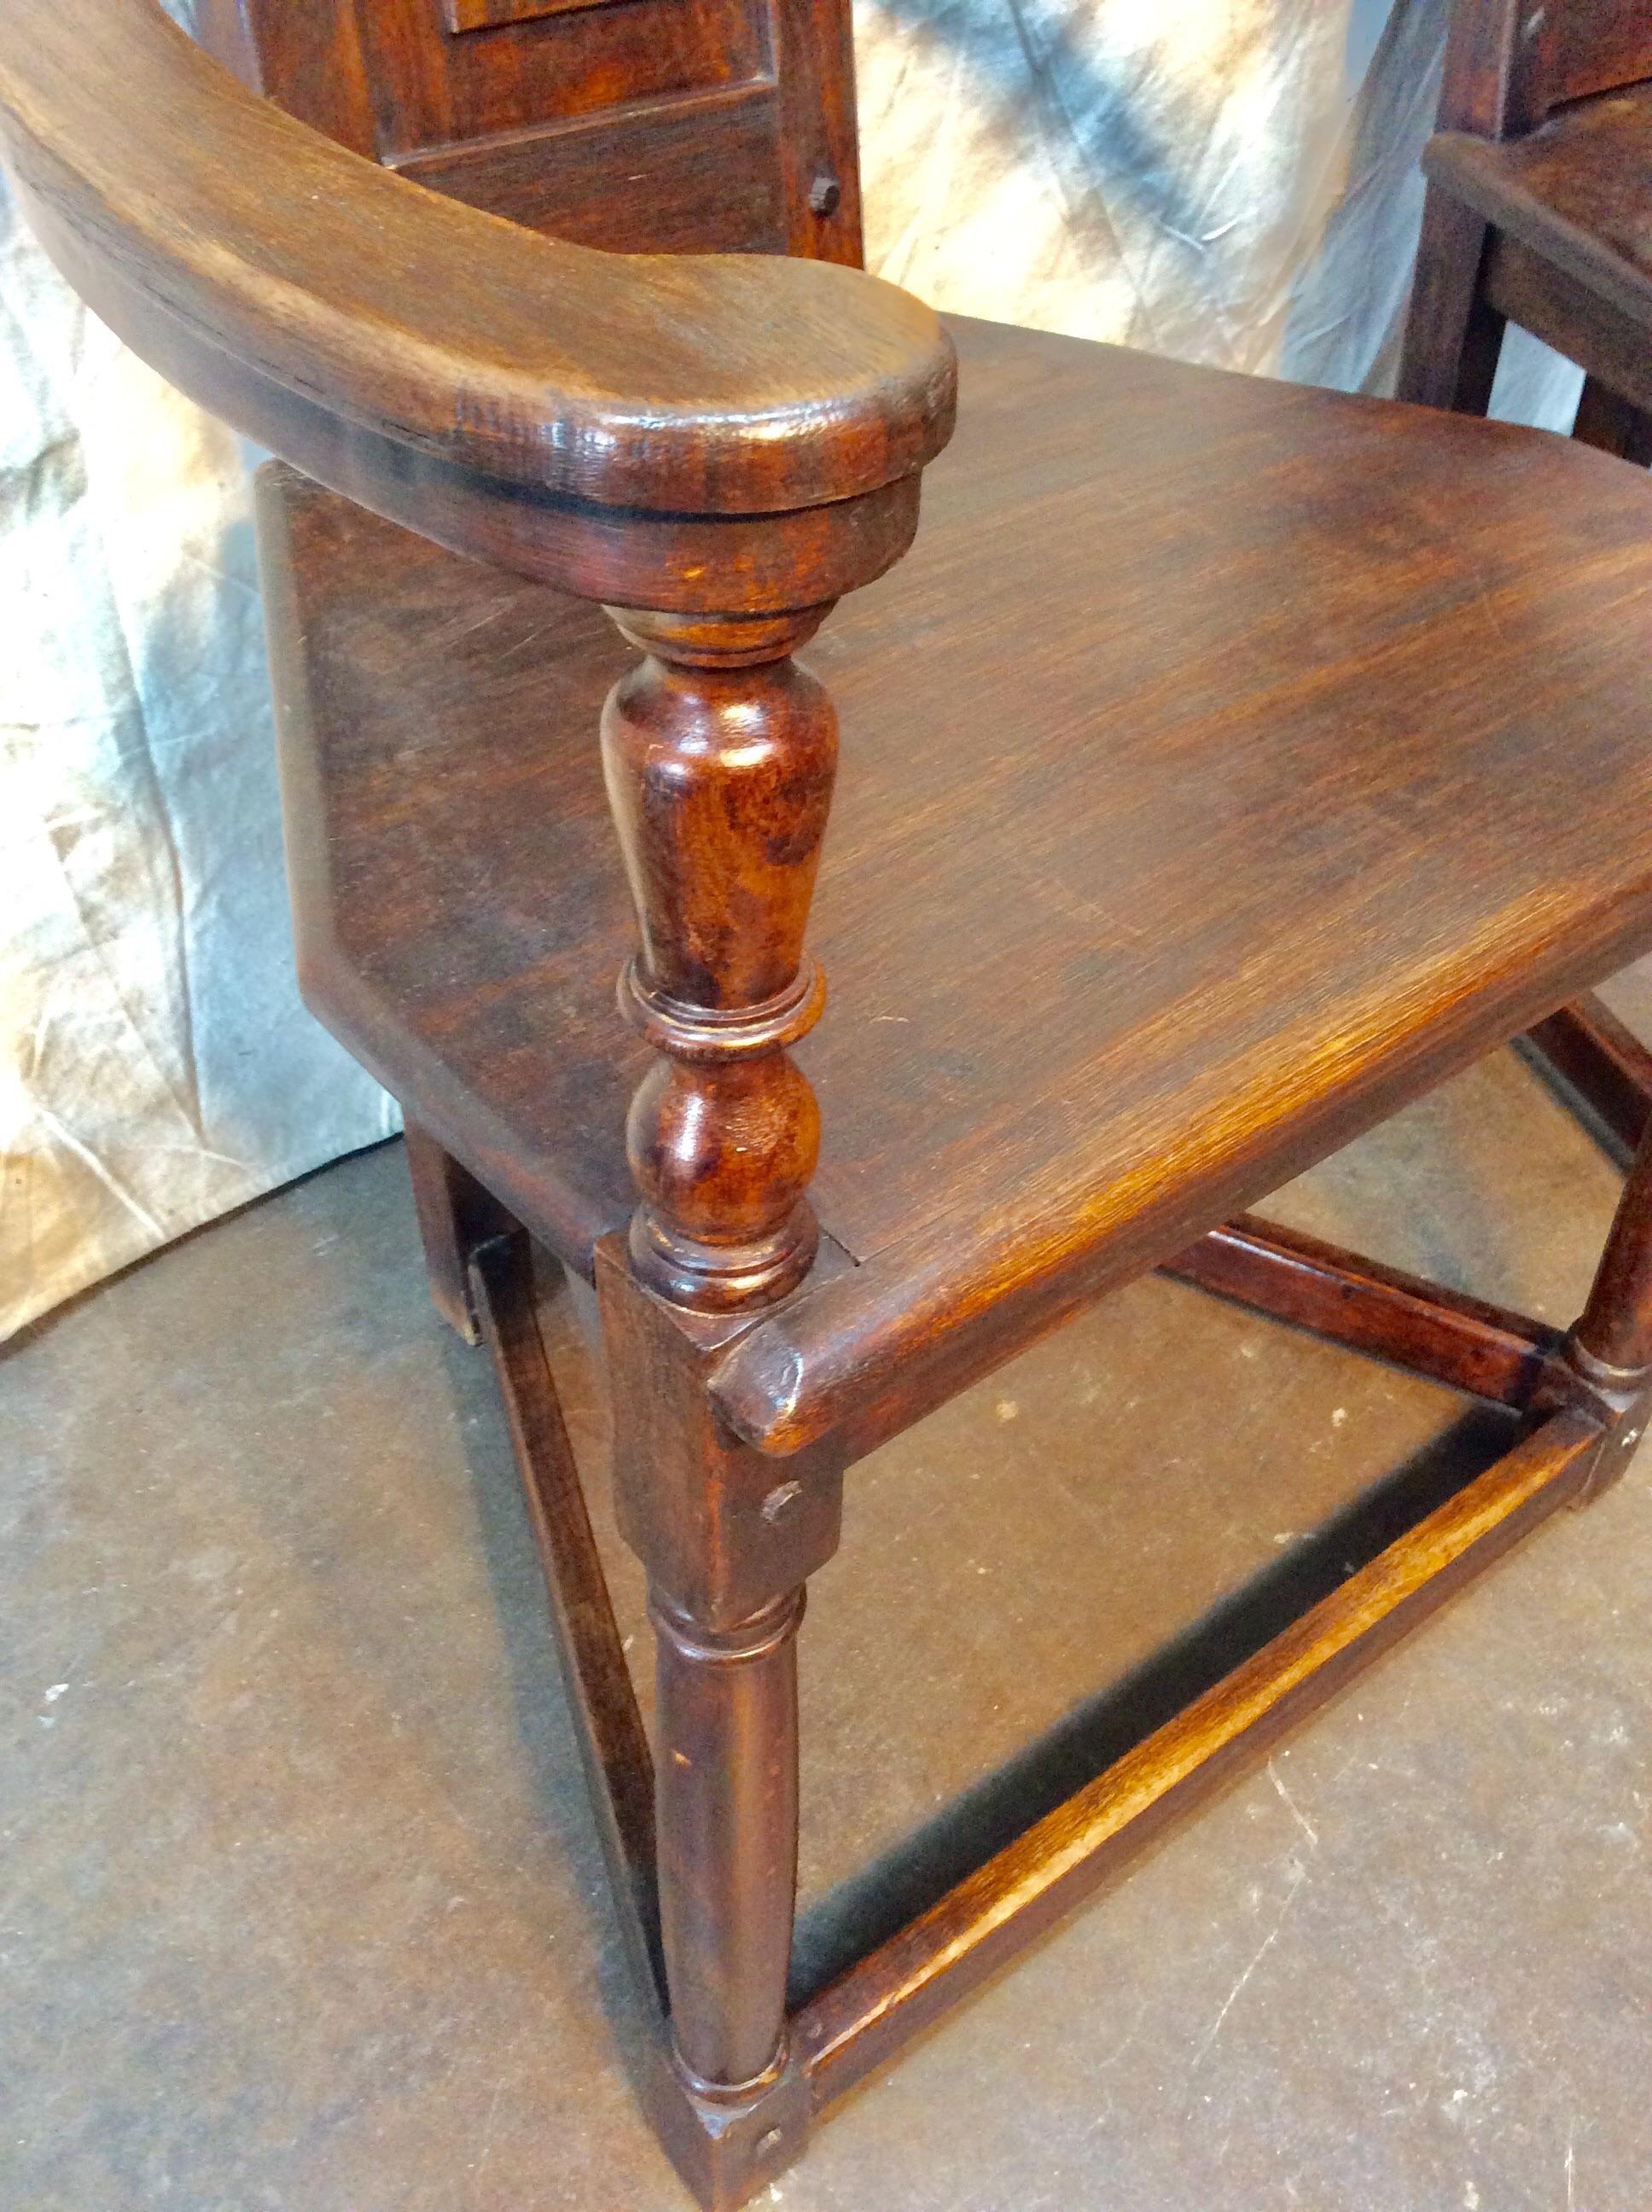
<point x="1615" y="1327"/>
<point x="1508" y="65"/>
<point x="607" y="1723"/>
<point x="1586" y="1044"/>
<point x="1180" y="838"/>
<point x="728" y="1542"/>
<point x="1485" y="85"/>
<point x="1415" y="796"/>
<point x="852" y="2026"/>
<point x="1460" y="1341"/>
<point x="727" y="1804"/>
<point x="1575" y="192"/>
<point x="1612" y="424"/>
<point x="719" y="754"/>
<point x="1522" y="287"/>
<point x="1591" y="47"/>
<point x="484" y="14"/>
<point x="696" y="175"/>
<point x="696" y="126"/>
<point x="456" y="1215"/>
<point x="1539" y="213"/>
<point x="725" y="386"/>
<point x="728" y="1830"/>
<point x="724" y="1531"/>
<point x="1454" y="335"/>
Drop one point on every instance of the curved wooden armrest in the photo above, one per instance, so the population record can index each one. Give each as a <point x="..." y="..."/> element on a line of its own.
<point x="334" y="310"/>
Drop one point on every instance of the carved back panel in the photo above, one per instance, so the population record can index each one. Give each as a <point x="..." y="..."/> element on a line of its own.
<point x="663" y="125"/>
<point x="1592" y="46"/>
<point x="1509" y="63"/>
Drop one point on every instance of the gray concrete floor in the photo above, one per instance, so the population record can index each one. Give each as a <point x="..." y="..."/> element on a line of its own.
<point x="300" y="1903"/>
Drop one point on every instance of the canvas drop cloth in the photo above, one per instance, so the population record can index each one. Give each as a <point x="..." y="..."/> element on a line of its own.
<point x="1232" y="183"/>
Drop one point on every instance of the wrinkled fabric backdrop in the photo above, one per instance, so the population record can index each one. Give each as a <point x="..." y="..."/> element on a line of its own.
<point x="1231" y="181"/>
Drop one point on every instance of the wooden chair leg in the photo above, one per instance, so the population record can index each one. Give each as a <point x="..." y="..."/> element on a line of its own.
<point x="1613" y="424"/>
<point x="726" y="1825"/>
<point x="729" y="1540"/>
<point x="1590" y="1049"/>
<point x="1610" y="1345"/>
<point x="1453" y="338"/>
<point x="456" y="1216"/>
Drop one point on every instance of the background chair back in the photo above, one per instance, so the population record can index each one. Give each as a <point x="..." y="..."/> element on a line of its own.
<point x="1510" y="65"/>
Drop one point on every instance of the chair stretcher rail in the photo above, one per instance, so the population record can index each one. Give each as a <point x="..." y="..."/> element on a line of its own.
<point x="1452" y="1338"/>
<point x="852" y="2026"/>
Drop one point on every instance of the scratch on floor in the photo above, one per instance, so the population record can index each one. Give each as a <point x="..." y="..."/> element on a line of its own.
<point x="1571" y="2168"/>
<point x="488" y="2129"/>
<point x="1261" y="1952"/>
<point x="1294" y="1809"/>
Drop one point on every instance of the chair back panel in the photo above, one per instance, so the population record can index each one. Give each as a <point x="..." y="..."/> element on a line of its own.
<point x="1508" y="64"/>
<point x="1592" y="46"/>
<point x="661" y="126"/>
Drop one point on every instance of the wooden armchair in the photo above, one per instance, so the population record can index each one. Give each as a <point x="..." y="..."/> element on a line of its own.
<point x="1539" y="213"/>
<point x="1228" y="763"/>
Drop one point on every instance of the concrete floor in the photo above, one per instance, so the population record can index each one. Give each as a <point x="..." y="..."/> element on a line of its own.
<point x="300" y="1907"/>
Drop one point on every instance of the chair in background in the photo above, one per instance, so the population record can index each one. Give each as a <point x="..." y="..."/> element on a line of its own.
<point x="1228" y="763"/>
<point x="1539" y="213"/>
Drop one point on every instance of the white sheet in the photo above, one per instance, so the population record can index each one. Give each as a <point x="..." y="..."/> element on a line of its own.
<point x="1231" y="183"/>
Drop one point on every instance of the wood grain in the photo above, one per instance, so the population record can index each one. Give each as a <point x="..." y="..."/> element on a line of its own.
<point x="728" y="385"/>
<point x="1230" y="763"/>
<point x="1227" y="896"/>
<point x="694" y="126"/>
<point x="696" y="175"/>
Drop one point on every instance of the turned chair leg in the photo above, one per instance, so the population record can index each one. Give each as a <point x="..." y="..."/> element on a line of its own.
<point x="727" y="1815"/>
<point x="1610" y="1345"/>
<point x="1453" y="338"/>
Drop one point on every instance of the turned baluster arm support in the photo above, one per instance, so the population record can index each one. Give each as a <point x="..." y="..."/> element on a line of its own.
<point x="720" y="753"/>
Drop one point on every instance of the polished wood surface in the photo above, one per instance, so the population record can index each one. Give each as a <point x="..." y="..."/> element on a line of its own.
<point x="719" y="754"/>
<point x="723" y="385"/>
<point x="1081" y="1004"/>
<point x="1229" y="764"/>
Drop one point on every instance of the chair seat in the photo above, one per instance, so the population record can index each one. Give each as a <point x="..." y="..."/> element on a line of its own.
<point x="1577" y="192"/>
<point x="1227" y="763"/>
